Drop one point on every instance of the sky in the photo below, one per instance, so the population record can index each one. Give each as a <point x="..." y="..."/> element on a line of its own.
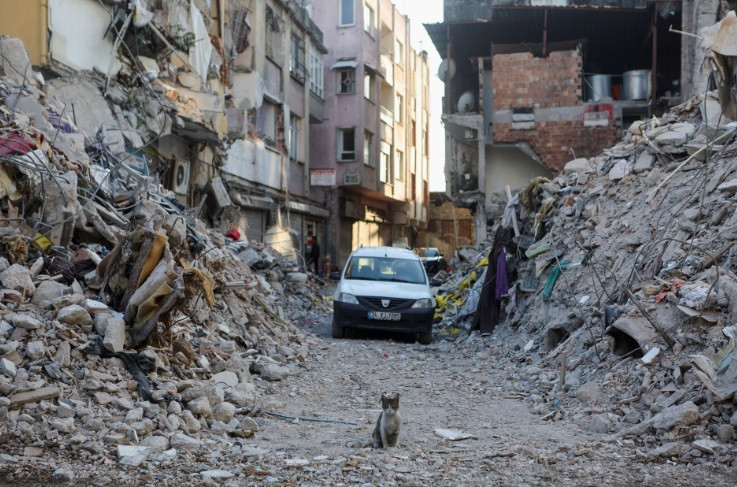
<point x="429" y="12"/>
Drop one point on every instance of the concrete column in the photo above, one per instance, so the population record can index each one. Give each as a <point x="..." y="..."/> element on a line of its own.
<point x="481" y="199"/>
<point x="697" y="14"/>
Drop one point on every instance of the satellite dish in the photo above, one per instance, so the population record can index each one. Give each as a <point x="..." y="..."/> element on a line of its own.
<point x="466" y="102"/>
<point x="447" y="70"/>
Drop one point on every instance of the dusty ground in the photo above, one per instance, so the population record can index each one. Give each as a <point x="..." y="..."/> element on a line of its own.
<point x="443" y="385"/>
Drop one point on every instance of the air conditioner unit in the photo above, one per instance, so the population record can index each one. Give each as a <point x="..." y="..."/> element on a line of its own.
<point x="351" y="178"/>
<point x="180" y="183"/>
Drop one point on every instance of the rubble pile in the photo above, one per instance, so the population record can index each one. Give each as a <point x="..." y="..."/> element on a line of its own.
<point x="129" y="330"/>
<point x="622" y="296"/>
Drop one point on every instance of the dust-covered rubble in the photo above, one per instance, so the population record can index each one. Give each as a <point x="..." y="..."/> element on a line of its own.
<point x="622" y="299"/>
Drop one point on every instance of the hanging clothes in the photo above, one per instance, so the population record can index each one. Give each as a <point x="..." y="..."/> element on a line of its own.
<point x="489" y="308"/>
<point x="502" y="283"/>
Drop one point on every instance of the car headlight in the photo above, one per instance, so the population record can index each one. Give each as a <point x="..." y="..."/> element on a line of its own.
<point x="424" y="303"/>
<point x="347" y="298"/>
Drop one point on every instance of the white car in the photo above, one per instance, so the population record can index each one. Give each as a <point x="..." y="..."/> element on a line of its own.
<point x="384" y="288"/>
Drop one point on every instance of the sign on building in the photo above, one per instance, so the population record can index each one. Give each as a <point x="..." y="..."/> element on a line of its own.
<point x="322" y="177"/>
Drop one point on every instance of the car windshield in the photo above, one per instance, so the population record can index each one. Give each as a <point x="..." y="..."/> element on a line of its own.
<point x="385" y="269"/>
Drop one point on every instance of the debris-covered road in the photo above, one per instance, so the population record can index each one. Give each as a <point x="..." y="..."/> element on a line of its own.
<point x="467" y="386"/>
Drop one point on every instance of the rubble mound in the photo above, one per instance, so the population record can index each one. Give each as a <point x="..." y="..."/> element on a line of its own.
<point x="621" y="303"/>
<point x="129" y="328"/>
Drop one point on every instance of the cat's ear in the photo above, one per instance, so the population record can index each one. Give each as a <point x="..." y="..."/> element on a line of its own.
<point x="384" y="401"/>
<point x="395" y="401"/>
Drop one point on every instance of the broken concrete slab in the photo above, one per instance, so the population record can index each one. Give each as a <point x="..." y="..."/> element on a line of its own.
<point x="577" y="166"/>
<point x="621" y="168"/>
<point x="728" y="186"/>
<point x="15" y="62"/>
<point x="18" y="278"/>
<point x="74" y="315"/>
<point x="677" y="134"/>
<point x="114" y="339"/>
<point x="42" y="394"/>
<point x="47" y="291"/>
<point x="24" y="321"/>
<point x="644" y="162"/>
<point x="680" y="415"/>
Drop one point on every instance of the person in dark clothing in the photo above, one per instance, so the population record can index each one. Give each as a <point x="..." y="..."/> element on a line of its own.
<point x="489" y="307"/>
<point x="314" y="256"/>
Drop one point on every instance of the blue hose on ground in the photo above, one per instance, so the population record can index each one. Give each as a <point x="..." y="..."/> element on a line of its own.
<point x="553" y="277"/>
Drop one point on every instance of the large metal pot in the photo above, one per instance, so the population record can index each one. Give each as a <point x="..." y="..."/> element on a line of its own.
<point x="637" y="85"/>
<point x="598" y="87"/>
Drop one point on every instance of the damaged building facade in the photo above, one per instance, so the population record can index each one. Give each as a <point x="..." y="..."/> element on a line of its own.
<point x="531" y="85"/>
<point x="214" y="99"/>
<point x="371" y="155"/>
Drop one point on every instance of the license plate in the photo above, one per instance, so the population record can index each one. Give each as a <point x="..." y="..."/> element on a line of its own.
<point x="383" y="315"/>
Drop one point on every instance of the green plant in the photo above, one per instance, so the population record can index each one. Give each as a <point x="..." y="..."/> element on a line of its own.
<point x="182" y="39"/>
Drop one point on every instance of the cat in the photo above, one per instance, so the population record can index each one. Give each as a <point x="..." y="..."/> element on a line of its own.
<point x="386" y="431"/>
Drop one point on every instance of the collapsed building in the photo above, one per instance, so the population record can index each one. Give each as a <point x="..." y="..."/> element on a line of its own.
<point x="610" y="289"/>
<point x="530" y="85"/>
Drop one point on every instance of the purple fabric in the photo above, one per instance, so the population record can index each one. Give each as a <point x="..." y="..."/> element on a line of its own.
<point x="502" y="285"/>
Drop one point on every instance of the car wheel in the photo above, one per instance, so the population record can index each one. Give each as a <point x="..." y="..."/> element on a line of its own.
<point x="338" y="331"/>
<point x="425" y="338"/>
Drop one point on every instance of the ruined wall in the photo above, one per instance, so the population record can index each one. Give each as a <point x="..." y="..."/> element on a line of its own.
<point x="522" y="80"/>
<point x="559" y="142"/>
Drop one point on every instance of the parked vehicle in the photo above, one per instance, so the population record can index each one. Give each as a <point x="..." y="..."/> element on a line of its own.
<point x="432" y="260"/>
<point x="384" y="288"/>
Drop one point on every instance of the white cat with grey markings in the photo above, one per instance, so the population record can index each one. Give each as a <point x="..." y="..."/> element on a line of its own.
<point x="386" y="431"/>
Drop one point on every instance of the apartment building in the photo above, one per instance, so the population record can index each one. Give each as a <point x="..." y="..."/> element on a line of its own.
<point x="277" y="100"/>
<point x="370" y="156"/>
<point x="227" y="91"/>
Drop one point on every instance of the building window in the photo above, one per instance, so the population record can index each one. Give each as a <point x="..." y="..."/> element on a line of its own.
<point x="414" y="134"/>
<point x="399" y="108"/>
<point x="368" y="142"/>
<point x="347" y="16"/>
<point x="316" y="72"/>
<point x="297" y="57"/>
<point x="413" y="188"/>
<point x="346" y="81"/>
<point x="399" y="162"/>
<point x="265" y="123"/>
<point x="398" y="52"/>
<point x="369" y="85"/>
<point x="347" y="144"/>
<point x="368" y="19"/>
<point x="385" y="168"/>
<point x="294" y="142"/>
<point x="274" y="25"/>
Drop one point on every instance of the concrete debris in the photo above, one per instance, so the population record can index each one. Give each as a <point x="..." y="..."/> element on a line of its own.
<point x="640" y="273"/>
<point x="125" y="313"/>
